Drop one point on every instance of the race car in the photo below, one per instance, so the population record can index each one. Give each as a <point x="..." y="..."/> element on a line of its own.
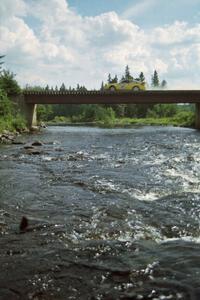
<point x="134" y="85"/>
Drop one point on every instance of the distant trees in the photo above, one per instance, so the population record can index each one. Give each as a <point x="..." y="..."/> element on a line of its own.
<point x="141" y="77"/>
<point x="127" y="76"/>
<point x="155" y="81"/>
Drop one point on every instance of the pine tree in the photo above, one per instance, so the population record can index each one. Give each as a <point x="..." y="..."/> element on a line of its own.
<point x="164" y="84"/>
<point x="1" y="62"/>
<point x="128" y="76"/>
<point x="62" y="88"/>
<point x="141" y="77"/>
<point x="115" y="79"/>
<point x="155" y="79"/>
<point x="46" y="88"/>
<point x="109" y="78"/>
<point x="102" y="86"/>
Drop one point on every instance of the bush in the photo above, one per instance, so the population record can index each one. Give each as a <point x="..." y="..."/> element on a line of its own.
<point x="162" y="111"/>
<point x="18" y="122"/>
<point x="105" y="116"/>
<point x="6" y="107"/>
<point x="185" y="118"/>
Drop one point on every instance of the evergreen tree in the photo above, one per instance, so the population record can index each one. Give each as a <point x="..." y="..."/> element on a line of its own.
<point x="115" y="79"/>
<point x="102" y="86"/>
<point x="47" y="88"/>
<point x="1" y="62"/>
<point x="109" y="78"/>
<point x="155" y="79"/>
<point x="128" y="76"/>
<point x="122" y="79"/>
<point x="164" y="84"/>
<point x="56" y="89"/>
<point x="62" y="88"/>
<point x="141" y="77"/>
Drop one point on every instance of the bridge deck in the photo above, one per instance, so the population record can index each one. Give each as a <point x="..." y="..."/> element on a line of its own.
<point x="97" y="97"/>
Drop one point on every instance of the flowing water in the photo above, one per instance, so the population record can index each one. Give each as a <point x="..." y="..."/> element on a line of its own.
<point x="113" y="214"/>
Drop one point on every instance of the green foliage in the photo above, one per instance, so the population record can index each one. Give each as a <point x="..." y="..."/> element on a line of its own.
<point x="1" y="62"/>
<point x="162" y="110"/>
<point x="185" y="118"/>
<point x="141" y="77"/>
<point x="44" y="112"/>
<point x="155" y="79"/>
<point x="18" y="122"/>
<point x="8" y="83"/>
<point x="164" y="84"/>
<point x="104" y="115"/>
<point x="6" y="107"/>
<point x="61" y="119"/>
<point x="127" y="74"/>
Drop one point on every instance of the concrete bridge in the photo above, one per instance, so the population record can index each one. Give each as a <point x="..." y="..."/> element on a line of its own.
<point x="30" y="99"/>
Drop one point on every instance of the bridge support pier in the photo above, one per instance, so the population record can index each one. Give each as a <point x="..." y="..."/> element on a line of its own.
<point x="197" y="116"/>
<point x="27" y="110"/>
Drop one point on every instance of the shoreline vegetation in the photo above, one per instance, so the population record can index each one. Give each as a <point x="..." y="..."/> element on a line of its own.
<point x="12" y="123"/>
<point x="180" y="120"/>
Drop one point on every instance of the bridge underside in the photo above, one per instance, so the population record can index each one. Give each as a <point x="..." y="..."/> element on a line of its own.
<point x="97" y="97"/>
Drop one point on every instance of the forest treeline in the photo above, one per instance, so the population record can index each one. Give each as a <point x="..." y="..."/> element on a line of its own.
<point x="117" y="114"/>
<point x="105" y="115"/>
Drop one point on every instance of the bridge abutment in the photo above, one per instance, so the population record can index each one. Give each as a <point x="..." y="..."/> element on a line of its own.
<point x="28" y="110"/>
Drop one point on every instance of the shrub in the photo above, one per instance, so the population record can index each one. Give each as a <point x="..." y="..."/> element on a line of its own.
<point x="185" y="118"/>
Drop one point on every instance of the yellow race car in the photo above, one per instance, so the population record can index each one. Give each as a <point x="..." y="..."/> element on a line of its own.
<point x="134" y="85"/>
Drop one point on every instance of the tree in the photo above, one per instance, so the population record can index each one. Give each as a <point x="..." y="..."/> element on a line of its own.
<point x="109" y="78"/>
<point x="8" y="83"/>
<point x="62" y="88"/>
<point x="47" y="88"/>
<point x="102" y="86"/>
<point x="141" y="77"/>
<point x="115" y="79"/>
<point x="128" y="76"/>
<point x="1" y="62"/>
<point x="155" y="79"/>
<point x="164" y="84"/>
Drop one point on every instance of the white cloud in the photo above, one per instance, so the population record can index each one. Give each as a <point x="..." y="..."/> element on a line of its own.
<point x="66" y="47"/>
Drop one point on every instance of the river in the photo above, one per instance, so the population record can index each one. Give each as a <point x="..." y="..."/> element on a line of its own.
<point x="113" y="214"/>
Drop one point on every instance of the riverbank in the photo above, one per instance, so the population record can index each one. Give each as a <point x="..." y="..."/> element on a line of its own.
<point x="180" y="120"/>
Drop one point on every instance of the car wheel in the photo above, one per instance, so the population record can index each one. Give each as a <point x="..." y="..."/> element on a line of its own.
<point x="112" y="89"/>
<point x="136" y="89"/>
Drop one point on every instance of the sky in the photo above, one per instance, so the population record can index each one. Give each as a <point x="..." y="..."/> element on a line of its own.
<point x="82" y="41"/>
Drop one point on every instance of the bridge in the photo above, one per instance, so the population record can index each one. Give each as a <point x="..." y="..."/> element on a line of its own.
<point x="30" y="99"/>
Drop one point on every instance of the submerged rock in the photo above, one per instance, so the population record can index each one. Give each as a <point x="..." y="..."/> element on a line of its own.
<point x="33" y="151"/>
<point x="37" y="143"/>
<point x="23" y="224"/>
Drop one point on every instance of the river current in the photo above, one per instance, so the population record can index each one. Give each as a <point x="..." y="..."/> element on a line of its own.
<point x="113" y="214"/>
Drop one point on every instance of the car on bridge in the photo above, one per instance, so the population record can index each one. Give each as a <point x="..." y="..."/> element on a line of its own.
<point x="126" y="85"/>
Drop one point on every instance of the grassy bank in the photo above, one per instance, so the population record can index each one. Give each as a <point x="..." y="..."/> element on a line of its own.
<point x="182" y="119"/>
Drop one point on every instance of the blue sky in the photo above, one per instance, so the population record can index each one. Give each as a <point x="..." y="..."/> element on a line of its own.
<point x="150" y="13"/>
<point x="81" y="41"/>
